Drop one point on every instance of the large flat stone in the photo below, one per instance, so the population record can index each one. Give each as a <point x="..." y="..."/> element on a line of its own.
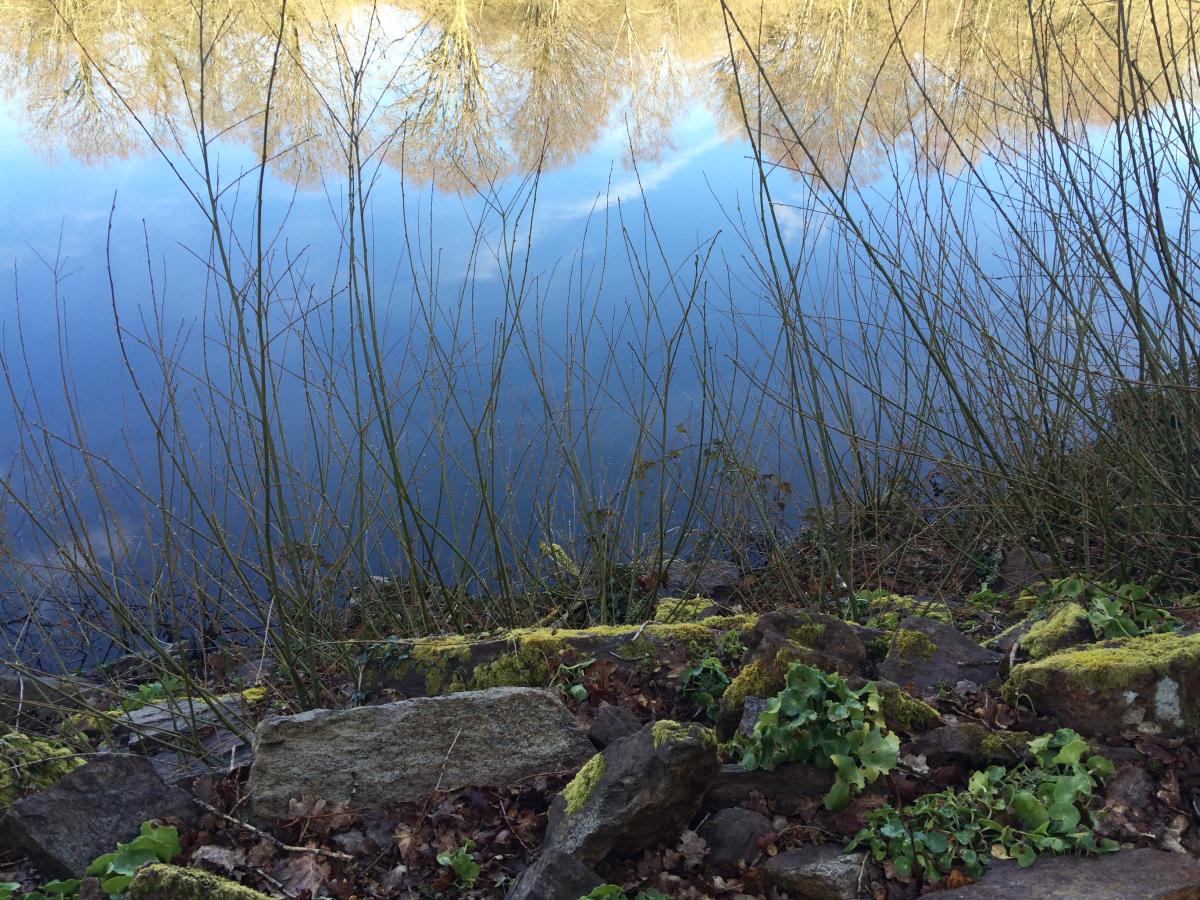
<point x="1144" y="874"/>
<point x="376" y="755"/>
<point x="83" y="815"/>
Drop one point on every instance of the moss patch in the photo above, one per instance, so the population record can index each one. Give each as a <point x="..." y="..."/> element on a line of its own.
<point x="909" y="645"/>
<point x="157" y="881"/>
<point x="1067" y="627"/>
<point x="29" y="763"/>
<point x="755" y="680"/>
<point x="678" y="609"/>
<point x="583" y="785"/>
<point x="904" y="712"/>
<point x="889" y="611"/>
<point x="809" y="635"/>
<point x="526" y="666"/>
<point x="667" y="731"/>
<point x="1116" y="664"/>
<point x="1005" y="745"/>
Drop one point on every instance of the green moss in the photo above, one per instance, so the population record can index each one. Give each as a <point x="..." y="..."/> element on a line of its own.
<point x="889" y="611"/>
<point x="526" y="666"/>
<point x="1112" y="665"/>
<point x="157" y="881"/>
<point x="904" y="712"/>
<point x="1005" y="745"/>
<point x="910" y="644"/>
<point x="677" y="609"/>
<point x="808" y="635"/>
<point x="755" y="680"/>
<point x="29" y="763"/>
<point x="1066" y="627"/>
<point x="667" y="731"/>
<point x="583" y="785"/>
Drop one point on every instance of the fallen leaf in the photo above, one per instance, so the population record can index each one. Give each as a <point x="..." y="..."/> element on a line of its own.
<point x="222" y="858"/>
<point x="301" y="873"/>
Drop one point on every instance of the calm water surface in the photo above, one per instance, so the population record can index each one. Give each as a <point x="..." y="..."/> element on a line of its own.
<point x="598" y="150"/>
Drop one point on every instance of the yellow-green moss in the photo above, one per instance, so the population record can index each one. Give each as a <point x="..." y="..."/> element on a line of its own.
<point x="668" y="731"/>
<point x="1066" y="627"/>
<point x="441" y="659"/>
<point x="583" y="785"/>
<point x="1000" y="745"/>
<point x="808" y="635"/>
<point x="254" y="695"/>
<point x="678" y="609"/>
<point x="29" y="763"/>
<point x="159" y="881"/>
<point x="910" y="644"/>
<point x="904" y="712"/>
<point x="889" y="611"/>
<point x="755" y="680"/>
<point x="526" y="666"/>
<point x="1113" y="665"/>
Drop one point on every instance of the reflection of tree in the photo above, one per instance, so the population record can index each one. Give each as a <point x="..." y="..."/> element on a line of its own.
<point x="466" y="91"/>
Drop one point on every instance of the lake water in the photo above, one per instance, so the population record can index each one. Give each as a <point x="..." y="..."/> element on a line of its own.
<point x="558" y="276"/>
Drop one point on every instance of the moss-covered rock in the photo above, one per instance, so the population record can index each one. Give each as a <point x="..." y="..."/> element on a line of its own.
<point x="29" y="763"/>
<point x="160" y="881"/>
<point x="678" y="609"/>
<point x="928" y="657"/>
<point x="665" y="730"/>
<point x="530" y="657"/>
<point x="581" y="787"/>
<point x="763" y="677"/>
<point x="1065" y="627"/>
<point x="889" y="611"/>
<point x="904" y="712"/>
<point x="1147" y="684"/>
<point x="911" y="645"/>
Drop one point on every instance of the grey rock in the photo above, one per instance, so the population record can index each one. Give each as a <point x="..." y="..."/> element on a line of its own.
<point x="1021" y="568"/>
<point x="816" y="873"/>
<point x="968" y="744"/>
<point x="1146" y="874"/>
<point x="751" y="710"/>
<point x="376" y="755"/>
<point x="940" y="656"/>
<point x="713" y="578"/>
<point x="167" y="720"/>
<point x="732" y="835"/>
<point x="555" y="876"/>
<point x="647" y="794"/>
<point x="64" y="827"/>
<point x="789" y="787"/>
<point x="612" y="723"/>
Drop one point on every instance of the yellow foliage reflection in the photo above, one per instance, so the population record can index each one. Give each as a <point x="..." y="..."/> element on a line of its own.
<point x="461" y="91"/>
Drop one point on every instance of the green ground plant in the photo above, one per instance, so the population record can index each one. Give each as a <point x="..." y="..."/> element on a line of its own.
<point x="1042" y="806"/>
<point x="154" y="843"/>
<point x="704" y="683"/>
<point x="615" y="892"/>
<point x="461" y="861"/>
<point x="819" y="719"/>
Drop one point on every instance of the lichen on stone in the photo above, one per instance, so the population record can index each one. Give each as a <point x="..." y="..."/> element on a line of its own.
<point x="159" y="880"/>
<point x="29" y="763"/>
<point x="583" y="785"/>
<point x="1066" y="627"/>
<point x="910" y="644"/>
